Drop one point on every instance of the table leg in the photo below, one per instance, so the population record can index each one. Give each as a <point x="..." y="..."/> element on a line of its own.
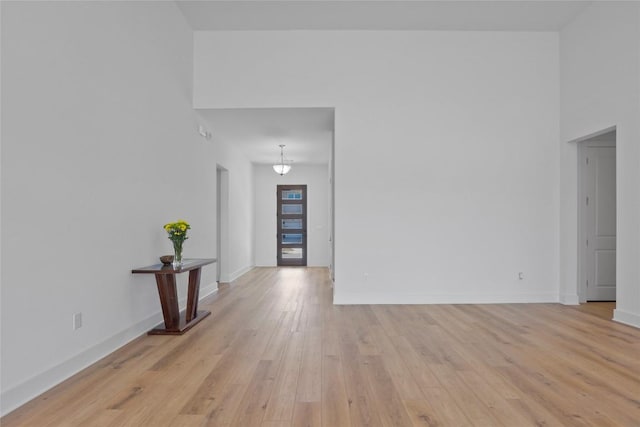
<point x="193" y="294"/>
<point x="169" y="300"/>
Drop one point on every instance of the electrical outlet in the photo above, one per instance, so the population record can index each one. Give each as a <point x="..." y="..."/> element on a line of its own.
<point x="77" y="321"/>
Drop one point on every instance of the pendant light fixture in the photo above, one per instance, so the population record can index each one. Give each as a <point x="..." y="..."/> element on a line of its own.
<point x="284" y="166"/>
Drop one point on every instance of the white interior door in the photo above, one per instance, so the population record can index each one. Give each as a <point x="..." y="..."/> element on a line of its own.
<point x="599" y="222"/>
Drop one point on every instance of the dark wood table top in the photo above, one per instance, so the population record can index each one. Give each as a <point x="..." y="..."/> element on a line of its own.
<point x="187" y="265"/>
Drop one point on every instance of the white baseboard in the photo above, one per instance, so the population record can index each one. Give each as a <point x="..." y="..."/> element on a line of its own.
<point x="569" y="299"/>
<point x="19" y="395"/>
<point x="631" y="319"/>
<point x="233" y="276"/>
<point x="341" y="298"/>
<point x="205" y="291"/>
<point x="39" y="383"/>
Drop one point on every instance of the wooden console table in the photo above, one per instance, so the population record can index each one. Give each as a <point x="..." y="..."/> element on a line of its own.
<point x="166" y="281"/>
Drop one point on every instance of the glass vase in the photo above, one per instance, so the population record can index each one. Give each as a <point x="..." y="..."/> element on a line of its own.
<point x="177" y="254"/>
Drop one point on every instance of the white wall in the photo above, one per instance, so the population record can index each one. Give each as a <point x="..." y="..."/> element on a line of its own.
<point x="316" y="177"/>
<point x="99" y="151"/>
<point x="600" y="89"/>
<point x="240" y="227"/>
<point x="445" y="152"/>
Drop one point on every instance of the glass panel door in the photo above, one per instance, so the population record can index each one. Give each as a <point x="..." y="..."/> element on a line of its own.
<point x="292" y="224"/>
<point x="292" y="194"/>
<point x="289" y="209"/>
<point x="291" y="239"/>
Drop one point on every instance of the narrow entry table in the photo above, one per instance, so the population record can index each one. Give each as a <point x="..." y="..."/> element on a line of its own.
<point x="166" y="280"/>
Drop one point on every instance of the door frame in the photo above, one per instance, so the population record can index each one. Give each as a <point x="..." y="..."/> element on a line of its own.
<point x="595" y="141"/>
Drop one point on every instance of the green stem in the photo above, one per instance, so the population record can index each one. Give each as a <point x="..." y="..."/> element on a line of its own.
<point x="177" y="250"/>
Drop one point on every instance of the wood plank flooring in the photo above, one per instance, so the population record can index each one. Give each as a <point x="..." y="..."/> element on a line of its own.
<point x="603" y="310"/>
<point x="277" y="353"/>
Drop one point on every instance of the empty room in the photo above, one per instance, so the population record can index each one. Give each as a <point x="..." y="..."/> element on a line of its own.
<point x="320" y="213"/>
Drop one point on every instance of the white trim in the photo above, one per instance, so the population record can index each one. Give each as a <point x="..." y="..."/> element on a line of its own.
<point x="205" y="291"/>
<point x="39" y="383"/>
<point x="594" y="134"/>
<point x="22" y="393"/>
<point x="570" y="299"/>
<point x="236" y="274"/>
<point x="631" y="319"/>
<point x="341" y="298"/>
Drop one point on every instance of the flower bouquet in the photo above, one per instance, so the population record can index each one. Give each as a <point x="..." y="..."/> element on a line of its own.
<point x="177" y="234"/>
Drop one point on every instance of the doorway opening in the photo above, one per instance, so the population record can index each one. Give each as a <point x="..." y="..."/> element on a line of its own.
<point x="222" y="223"/>
<point x="292" y="224"/>
<point x="597" y="218"/>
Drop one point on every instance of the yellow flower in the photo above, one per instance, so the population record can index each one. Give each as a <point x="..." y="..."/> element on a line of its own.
<point x="177" y="230"/>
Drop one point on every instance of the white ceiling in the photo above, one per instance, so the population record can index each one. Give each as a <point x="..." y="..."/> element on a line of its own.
<point x="307" y="131"/>
<point x="505" y="15"/>
<point x="257" y="132"/>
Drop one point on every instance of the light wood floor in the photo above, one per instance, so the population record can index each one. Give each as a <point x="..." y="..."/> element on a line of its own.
<point x="603" y="310"/>
<point x="276" y="353"/>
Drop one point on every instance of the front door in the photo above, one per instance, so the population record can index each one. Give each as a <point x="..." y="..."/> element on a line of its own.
<point x="292" y="224"/>
<point x="599" y="222"/>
